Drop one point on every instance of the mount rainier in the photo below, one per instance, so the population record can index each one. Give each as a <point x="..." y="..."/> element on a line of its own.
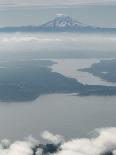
<point x="60" y="23"/>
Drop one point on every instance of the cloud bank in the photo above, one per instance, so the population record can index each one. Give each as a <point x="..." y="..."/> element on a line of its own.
<point x="53" y="2"/>
<point x="103" y="143"/>
<point x="57" y="42"/>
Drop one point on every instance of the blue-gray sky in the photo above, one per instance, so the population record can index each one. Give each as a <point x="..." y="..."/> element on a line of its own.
<point x="35" y="12"/>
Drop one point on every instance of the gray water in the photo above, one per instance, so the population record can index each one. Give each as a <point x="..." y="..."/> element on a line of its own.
<point x="70" y="68"/>
<point x="67" y="115"/>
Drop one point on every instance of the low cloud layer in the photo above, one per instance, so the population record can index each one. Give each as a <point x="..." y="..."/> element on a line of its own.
<point x="57" y="42"/>
<point x="104" y="142"/>
<point x="28" y="39"/>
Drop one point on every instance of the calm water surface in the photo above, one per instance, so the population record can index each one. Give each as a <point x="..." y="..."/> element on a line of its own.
<point x="68" y="115"/>
<point x="70" y="68"/>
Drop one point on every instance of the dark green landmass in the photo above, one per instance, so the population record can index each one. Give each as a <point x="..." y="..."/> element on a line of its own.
<point x="52" y="149"/>
<point x="27" y="80"/>
<point x="105" y="69"/>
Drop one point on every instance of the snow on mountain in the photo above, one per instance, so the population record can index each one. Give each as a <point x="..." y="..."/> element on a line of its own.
<point x="62" y="21"/>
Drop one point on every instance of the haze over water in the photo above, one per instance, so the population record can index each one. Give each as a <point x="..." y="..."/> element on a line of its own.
<point x="65" y="114"/>
<point x="57" y="45"/>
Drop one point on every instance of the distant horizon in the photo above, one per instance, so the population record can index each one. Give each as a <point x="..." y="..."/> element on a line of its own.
<point x="96" y="15"/>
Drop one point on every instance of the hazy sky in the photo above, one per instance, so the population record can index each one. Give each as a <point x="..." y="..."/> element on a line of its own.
<point x="31" y="12"/>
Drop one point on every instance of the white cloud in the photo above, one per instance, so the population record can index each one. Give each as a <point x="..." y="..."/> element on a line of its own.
<point x="28" y="39"/>
<point x="18" y="147"/>
<point x="104" y="142"/>
<point x="55" y="139"/>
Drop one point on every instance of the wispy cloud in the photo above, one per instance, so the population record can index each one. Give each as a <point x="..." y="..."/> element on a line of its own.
<point x="54" y="2"/>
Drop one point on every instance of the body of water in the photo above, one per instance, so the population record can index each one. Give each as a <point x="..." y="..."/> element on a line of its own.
<point x="70" y="68"/>
<point x="68" y="115"/>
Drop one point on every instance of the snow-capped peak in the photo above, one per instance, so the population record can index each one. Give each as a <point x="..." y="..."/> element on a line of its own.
<point x="59" y="15"/>
<point x="62" y="21"/>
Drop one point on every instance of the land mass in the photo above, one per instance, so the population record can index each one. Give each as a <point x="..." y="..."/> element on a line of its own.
<point x="105" y="69"/>
<point x="27" y="80"/>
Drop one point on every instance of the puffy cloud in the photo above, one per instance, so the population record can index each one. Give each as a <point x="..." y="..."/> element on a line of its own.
<point x="19" y="147"/>
<point x="55" y="139"/>
<point x="5" y="143"/>
<point x="101" y="144"/>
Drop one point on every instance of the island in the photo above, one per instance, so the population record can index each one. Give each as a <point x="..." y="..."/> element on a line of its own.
<point x="105" y="69"/>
